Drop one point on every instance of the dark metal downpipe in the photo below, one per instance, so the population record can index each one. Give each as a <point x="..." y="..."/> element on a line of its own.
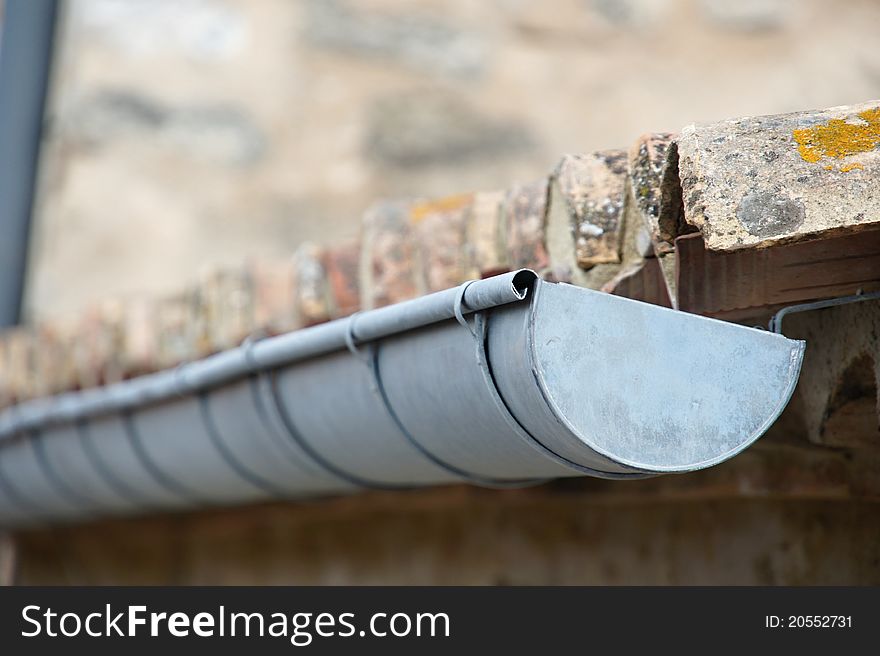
<point x="26" y="48"/>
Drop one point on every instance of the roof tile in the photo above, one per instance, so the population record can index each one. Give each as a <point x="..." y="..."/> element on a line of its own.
<point x="754" y="182"/>
<point x="524" y="220"/>
<point x="653" y="170"/>
<point x="594" y="187"/>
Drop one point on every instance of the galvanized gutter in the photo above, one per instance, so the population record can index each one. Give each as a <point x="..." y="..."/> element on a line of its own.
<point x="499" y="382"/>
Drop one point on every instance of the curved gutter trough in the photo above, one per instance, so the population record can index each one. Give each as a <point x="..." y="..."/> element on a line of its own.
<point x="500" y="382"/>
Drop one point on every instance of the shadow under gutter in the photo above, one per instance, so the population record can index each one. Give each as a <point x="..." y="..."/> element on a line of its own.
<point x="500" y="382"/>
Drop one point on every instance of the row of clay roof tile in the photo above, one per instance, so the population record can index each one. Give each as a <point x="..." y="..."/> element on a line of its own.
<point x="731" y="219"/>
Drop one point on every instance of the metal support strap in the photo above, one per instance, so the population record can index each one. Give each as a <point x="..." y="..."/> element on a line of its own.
<point x="466" y="476"/>
<point x="775" y="324"/>
<point x="321" y="461"/>
<point x="228" y="456"/>
<point x="516" y="425"/>
<point x="104" y="471"/>
<point x="176" y="488"/>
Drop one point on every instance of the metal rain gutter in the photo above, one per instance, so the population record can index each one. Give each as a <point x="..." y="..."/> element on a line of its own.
<point x="499" y="382"/>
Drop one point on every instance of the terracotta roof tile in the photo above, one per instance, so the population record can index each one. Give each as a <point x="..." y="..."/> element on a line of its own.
<point x="755" y="182"/>
<point x="593" y="186"/>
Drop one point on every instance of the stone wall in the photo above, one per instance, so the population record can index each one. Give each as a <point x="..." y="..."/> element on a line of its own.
<point x="185" y="135"/>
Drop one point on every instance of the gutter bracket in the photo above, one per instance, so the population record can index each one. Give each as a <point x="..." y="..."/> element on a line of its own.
<point x="458" y="308"/>
<point x="775" y="325"/>
<point x="351" y="341"/>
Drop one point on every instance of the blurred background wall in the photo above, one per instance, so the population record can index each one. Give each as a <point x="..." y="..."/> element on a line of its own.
<point x="186" y="134"/>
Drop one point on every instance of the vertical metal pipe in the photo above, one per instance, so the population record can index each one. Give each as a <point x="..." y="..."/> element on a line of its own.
<point x="25" y="62"/>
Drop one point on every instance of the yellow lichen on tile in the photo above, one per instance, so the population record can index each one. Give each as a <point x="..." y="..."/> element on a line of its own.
<point x="839" y="138"/>
<point x="846" y="168"/>
<point x="421" y="210"/>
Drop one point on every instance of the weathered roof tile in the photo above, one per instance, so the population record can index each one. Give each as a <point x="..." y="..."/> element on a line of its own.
<point x="484" y="239"/>
<point x="524" y="220"/>
<point x="341" y="264"/>
<point x="754" y="182"/>
<point x="653" y="171"/>
<point x="312" y="293"/>
<point x="439" y="229"/>
<point x="274" y="291"/>
<point x="388" y="255"/>
<point x="594" y="186"/>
